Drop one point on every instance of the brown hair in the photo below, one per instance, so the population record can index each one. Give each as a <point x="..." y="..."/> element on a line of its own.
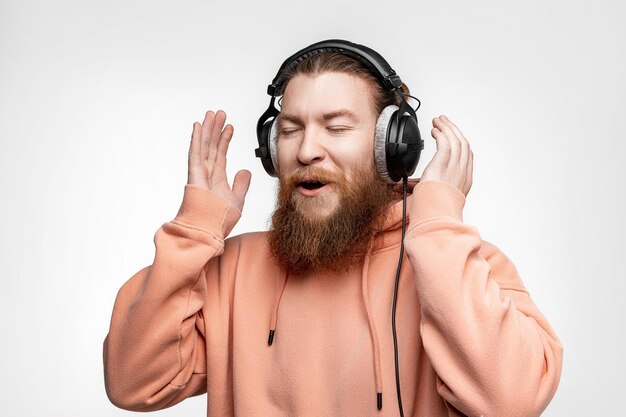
<point x="338" y="62"/>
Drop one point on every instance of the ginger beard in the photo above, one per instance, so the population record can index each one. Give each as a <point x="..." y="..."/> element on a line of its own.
<point x="303" y="240"/>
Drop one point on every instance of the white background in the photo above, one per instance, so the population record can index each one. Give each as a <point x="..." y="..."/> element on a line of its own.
<point x="97" y="102"/>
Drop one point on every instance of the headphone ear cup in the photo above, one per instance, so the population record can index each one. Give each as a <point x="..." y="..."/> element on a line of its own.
<point x="273" y="145"/>
<point x="265" y="151"/>
<point x="410" y="138"/>
<point x="380" y="141"/>
<point x="403" y="147"/>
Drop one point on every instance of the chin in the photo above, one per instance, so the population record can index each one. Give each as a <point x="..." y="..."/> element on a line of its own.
<point x="320" y="206"/>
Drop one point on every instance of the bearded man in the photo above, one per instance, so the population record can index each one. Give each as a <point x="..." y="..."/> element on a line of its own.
<point x="470" y="340"/>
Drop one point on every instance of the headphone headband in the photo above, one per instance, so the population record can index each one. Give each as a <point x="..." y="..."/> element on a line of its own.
<point x="367" y="56"/>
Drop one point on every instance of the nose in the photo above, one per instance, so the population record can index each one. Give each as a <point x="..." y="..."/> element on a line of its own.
<point x="310" y="149"/>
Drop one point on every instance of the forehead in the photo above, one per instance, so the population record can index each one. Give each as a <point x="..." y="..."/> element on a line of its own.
<point x="315" y="96"/>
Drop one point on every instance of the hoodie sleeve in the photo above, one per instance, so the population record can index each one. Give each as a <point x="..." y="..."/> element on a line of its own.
<point x="493" y="351"/>
<point x="154" y="354"/>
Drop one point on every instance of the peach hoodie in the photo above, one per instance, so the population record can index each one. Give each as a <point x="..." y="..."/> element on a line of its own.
<point x="470" y="339"/>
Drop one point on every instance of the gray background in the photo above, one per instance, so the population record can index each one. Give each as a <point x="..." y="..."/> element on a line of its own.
<point x="97" y="102"/>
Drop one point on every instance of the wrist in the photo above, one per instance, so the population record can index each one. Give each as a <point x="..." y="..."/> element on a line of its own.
<point x="204" y="209"/>
<point x="433" y="198"/>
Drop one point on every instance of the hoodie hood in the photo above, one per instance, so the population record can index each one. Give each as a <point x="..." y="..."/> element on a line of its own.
<point x="395" y="218"/>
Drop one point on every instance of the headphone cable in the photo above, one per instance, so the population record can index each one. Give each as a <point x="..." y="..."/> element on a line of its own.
<point x="395" y="295"/>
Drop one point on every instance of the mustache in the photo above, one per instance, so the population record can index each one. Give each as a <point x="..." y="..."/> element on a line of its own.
<point x="314" y="173"/>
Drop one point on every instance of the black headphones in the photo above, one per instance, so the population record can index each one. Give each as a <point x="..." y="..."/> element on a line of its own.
<point x="398" y="143"/>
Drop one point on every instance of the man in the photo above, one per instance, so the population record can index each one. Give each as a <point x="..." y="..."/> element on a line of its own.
<point x="470" y="340"/>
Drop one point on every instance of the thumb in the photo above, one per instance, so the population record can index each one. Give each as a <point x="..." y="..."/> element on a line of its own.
<point x="241" y="183"/>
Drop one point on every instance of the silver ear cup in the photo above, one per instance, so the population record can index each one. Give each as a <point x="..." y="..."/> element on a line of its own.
<point x="273" y="144"/>
<point x="380" y="140"/>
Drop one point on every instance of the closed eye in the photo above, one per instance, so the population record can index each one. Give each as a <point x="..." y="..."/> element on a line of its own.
<point x="288" y="132"/>
<point x="337" y="129"/>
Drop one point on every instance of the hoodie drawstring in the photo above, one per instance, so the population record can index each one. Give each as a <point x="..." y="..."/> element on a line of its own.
<point x="370" y="321"/>
<point x="279" y="295"/>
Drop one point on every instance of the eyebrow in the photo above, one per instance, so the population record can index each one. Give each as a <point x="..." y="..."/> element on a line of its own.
<point x="324" y="117"/>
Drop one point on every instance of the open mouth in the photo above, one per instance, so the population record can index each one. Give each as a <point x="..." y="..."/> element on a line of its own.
<point x="311" y="185"/>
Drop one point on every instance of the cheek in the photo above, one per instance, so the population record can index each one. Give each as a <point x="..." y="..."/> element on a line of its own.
<point x="286" y="152"/>
<point x="358" y="152"/>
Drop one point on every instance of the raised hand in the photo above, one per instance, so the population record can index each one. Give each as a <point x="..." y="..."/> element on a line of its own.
<point x="453" y="160"/>
<point x="207" y="159"/>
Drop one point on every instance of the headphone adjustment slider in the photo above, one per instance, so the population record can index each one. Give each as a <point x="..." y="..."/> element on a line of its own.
<point x="393" y="82"/>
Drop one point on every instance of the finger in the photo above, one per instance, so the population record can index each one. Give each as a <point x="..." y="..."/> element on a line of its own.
<point x="222" y="147"/>
<point x="241" y="183"/>
<point x="455" y="145"/>
<point x="443" y="144"/>
<point x="470" y="172"/>
<point x="195" y="145"/>
<point x="454" y="128"/>
<point x="220" y="117"/>
<point x="207" y="126"/>
<point x="441" y="159"/>
<point x="462" y="139"/>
